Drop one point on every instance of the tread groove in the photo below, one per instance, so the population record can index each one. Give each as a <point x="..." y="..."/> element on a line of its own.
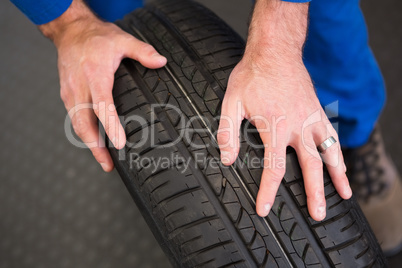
<point x="344" y="244"/>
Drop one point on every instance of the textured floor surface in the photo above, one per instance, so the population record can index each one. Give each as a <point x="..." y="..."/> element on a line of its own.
<point x="57" y="208"/>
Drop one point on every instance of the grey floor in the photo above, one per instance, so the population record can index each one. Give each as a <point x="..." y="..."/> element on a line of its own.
<point x="57" y="208"/>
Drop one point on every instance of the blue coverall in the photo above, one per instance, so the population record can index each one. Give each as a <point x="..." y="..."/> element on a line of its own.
<point x="337" y="55"/>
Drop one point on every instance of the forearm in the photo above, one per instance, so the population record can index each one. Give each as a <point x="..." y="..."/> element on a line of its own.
<point x="76" y="16"/>
<point x="277" y="30"/>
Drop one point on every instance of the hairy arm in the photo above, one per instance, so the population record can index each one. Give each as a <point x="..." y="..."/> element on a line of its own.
<point x="278" y="30"/>
<point x="89" y="53"/>
<point x="272" y="88"/>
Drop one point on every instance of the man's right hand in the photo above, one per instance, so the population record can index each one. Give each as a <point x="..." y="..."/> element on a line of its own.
<point x="271" y="88"/>
<point x="89" y="53"/>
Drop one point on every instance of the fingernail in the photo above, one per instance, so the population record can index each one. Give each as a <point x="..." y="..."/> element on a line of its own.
<point x="344" y="167"/>
<point x="114" y="141"/>
<point x="116" y="144"/>
<point x="159" y="57"/>
<point x="267" y="209"/>
<point x="104" y="166"/>
<point x="122" y="142"/>
<point x="321" y="212"/>
<point x="225" y="157"/>
<point x="348" y="191"/>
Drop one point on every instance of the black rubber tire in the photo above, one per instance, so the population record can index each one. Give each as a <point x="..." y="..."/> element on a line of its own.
<point x="204" y="215"/>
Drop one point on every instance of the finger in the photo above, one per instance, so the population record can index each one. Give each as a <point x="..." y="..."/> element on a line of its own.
<point x="333" y="159"/>
<point x="67" y="98"/>
<point x="85" y="126"/>
<point x="143" y="52"/>
<point x="105" y="110"/>
<point x="272" y="175"/>
<point x="312" y="170"/>
<point x="229" y="130"/>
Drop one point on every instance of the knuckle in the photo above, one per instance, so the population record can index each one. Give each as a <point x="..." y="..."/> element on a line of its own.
<point x="63" y="95"/>
<point x="147" y="49"/>
<point x="333" y="149"/>
<point x="80" y="125"/>
<point x="276" y="175"/>
<point x="230" y="97"/>
<point x="314" y="162"/>
<point x="100" y="111"/>
<point x="89" y="68"/>
<point x="316" y="196"/>
<point x="223" y="137"/>
<point x="71" y="84"/>
<point x="98" y="154"/>
<point x="98" y="101"/>
<point x="96" y="110"/>
<point x="281" y="128"/>
<point x="261" y="123"/>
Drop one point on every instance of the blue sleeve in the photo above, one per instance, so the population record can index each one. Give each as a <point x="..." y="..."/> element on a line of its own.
<point x="297" y="1"/>
<point x="42" y="11"/>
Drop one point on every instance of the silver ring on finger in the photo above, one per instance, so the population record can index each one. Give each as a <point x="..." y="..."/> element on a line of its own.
<point x="326" y="144"/>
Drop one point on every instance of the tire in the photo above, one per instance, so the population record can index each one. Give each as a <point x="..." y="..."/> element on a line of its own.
<point x="203" y="213"/>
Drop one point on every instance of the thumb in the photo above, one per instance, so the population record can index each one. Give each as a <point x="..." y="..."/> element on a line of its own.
<point x="229" y="129"/>
<point x="143" y="53"/>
